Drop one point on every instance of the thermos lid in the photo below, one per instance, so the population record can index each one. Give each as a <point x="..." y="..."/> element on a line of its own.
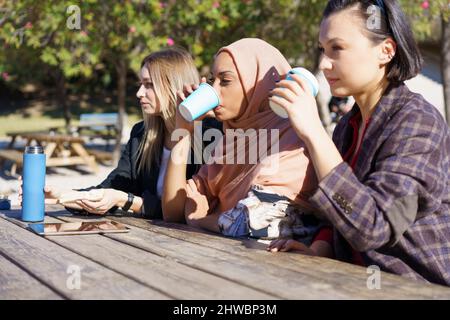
<point x="34" y="149"/>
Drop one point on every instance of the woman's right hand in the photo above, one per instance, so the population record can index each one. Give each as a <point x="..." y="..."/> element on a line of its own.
<point x="51" y="195"/>
<point x="284" y="245"/>
<point x="182" y="123"/>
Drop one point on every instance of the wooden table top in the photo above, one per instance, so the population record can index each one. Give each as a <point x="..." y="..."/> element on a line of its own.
<point x="158" y="260"/>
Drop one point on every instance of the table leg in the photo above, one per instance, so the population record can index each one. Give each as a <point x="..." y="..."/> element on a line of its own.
<point x="81" y="151"/>
<point x="50" y="149"/>
<point x="11" y="144"/>
<point x="14" y="169"/>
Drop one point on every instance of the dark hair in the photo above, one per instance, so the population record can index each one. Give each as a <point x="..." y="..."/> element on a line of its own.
<point x="407" y="61"/>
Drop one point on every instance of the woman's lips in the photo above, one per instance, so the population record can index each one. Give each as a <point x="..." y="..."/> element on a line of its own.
<point x="218" y="108"/>
<point x="332" y="81"/>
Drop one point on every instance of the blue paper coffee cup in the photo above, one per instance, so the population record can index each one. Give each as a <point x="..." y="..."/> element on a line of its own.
<point x="309" y="78"/>
<point x="199" y="102"/>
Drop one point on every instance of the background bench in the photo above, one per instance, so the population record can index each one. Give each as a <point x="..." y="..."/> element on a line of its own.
<point x="60" y="150"/>
<point x="15" y="156"/>
<point x="98" y="125"/>
<point x="95" y="125"/>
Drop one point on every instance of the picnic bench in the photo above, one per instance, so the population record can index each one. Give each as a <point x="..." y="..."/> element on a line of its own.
<point x="91" y="126"/>
<point x="61" y="150"/>
<point x="158" y="260"/>
<point x="101" y="155"/>
<point x="104" y="124"/>
<point x="15" y="156"/>
<point x="98" y="125"/>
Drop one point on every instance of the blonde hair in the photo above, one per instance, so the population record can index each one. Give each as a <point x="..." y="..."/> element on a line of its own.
<point x="169" y="69"/>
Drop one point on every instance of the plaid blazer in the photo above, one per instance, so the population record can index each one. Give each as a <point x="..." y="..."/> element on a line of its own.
<point x="394" y="206"/>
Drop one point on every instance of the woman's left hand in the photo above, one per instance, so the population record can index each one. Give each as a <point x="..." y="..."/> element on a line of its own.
<point x="296" y="98"/>
<point x="197" y="205"/>
<point x="111" y="198"/>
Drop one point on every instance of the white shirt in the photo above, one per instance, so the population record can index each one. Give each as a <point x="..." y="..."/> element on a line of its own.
<point x="162" y="171"/>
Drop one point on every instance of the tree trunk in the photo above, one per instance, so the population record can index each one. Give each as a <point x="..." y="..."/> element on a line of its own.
<point x="445" y="66"/>
<point x="61" y="96"/>
<point x="121" y="68"/>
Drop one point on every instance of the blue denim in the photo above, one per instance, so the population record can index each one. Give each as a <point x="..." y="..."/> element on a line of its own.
<point x="266" y="215"/>
<point x="234" y="223"/>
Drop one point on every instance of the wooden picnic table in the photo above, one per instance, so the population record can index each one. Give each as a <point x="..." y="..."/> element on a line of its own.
<point x="94" y="125"/>
<point x="158" y="260"/>
<point x="61" y="150"/>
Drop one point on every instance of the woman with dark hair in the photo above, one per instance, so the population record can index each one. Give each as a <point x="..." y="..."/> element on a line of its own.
<point x="384" y="182"/>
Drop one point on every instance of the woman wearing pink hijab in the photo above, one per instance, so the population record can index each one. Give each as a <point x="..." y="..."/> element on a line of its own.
<point x="243" y="74"/>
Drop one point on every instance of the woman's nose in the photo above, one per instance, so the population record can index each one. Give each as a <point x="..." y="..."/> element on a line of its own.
<point x="216" y="86"/>
<point x="325" y="63"/>
<point x="141" y="92"/>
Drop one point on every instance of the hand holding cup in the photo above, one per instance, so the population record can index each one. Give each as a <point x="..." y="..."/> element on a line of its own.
<point x="200" y="101"/>
<point x="295" y="98"/>
<point x="311" y="83"/>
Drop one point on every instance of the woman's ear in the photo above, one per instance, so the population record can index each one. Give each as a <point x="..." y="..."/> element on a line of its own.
<point x="388" y="49"/>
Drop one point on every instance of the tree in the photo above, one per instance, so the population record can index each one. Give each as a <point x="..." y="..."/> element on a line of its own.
<point x="122" y="31"/>
<point x="426" y="16"/>
<point x="72" y="40"/>
<point x="205" y="26"/>
<point x="42" y="27"/>
<point x="129" y="30"/>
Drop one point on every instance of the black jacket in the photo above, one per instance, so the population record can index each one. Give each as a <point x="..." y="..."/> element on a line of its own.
<point x="125" y="176"/>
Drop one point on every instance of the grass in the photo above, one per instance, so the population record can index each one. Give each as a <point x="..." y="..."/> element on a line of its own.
<point x="42" y="114"/>
<point x="16" y="122"/>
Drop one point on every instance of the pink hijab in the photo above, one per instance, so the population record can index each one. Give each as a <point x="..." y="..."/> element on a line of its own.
<point x="259" y="66"/>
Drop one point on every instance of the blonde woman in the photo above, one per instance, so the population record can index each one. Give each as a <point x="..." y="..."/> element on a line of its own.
<point x="137" y="182"/>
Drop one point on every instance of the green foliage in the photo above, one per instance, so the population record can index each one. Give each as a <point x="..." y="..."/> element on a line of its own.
<point x="203" y="28"/>
<point x="425" y="17"/>
<point x="35" y="34"/>
<point x="129" y="30"/>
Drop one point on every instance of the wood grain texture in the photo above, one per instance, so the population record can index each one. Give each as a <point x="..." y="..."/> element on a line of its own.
<point x="347" y="277"/>
<point x="50" y="263"/>
<point x="167" y="275"/>
<point x="15" y="283"/>
<point x="178" y="261"/>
